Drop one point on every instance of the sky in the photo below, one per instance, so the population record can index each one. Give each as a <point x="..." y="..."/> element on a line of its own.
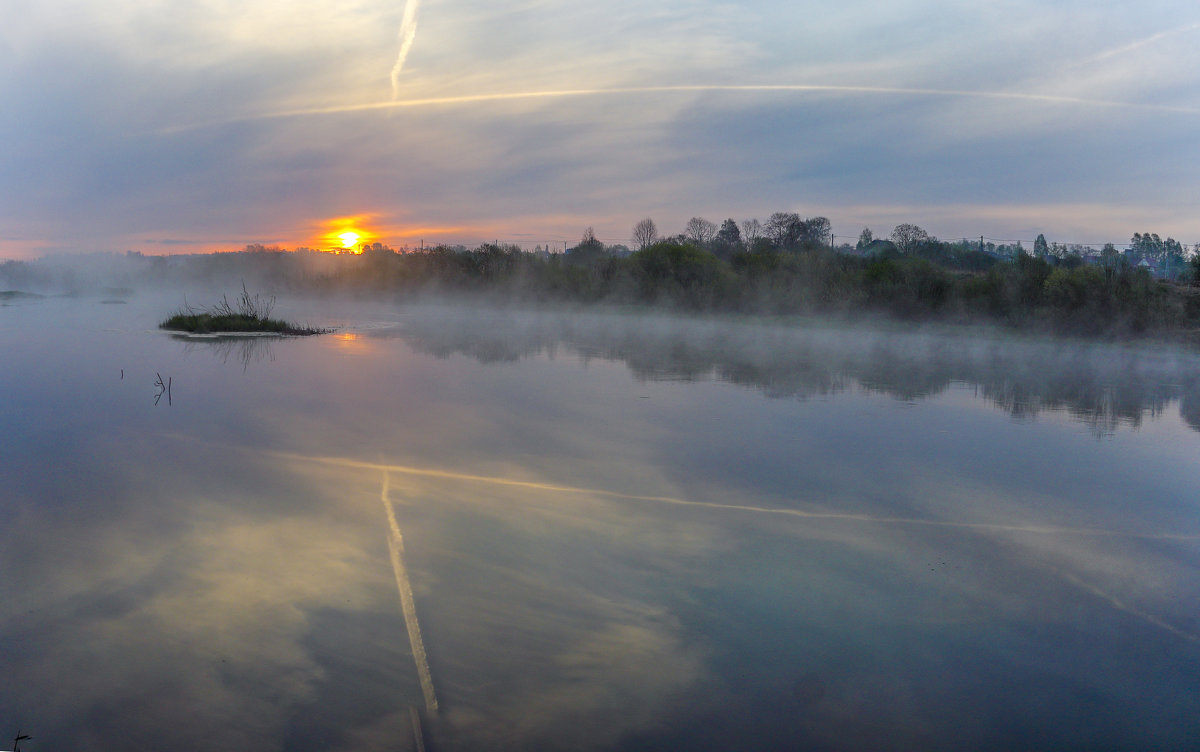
<point x="169" y="127"/>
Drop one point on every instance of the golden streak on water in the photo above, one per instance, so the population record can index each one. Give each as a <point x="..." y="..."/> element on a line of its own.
<point x="406" y="591"/>
<point x="785" y="512"/>
<point x="396" y="545"/>
<point x="418" y="734"/>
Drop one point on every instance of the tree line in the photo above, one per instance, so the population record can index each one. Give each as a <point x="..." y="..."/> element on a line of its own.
<point x="790" y="265"/>
<point x="787" y="265"/>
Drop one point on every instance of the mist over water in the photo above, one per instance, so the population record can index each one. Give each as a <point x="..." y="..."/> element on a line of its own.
<point x="619" y="532"/>
<point x="1102" y="385"/>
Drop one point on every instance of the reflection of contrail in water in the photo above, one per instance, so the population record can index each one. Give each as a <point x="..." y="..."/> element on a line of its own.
<point x="1120" y="605"/>
<point x="845" y="516"/>
<point x="396" y="544"/>
<point x="408" y="32"/>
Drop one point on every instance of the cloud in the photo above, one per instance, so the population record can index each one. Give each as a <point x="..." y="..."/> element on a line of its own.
<point x="222" y="122"/>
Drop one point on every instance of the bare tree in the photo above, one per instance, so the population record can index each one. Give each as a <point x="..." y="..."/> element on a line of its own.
<point x="751" y="231"/>
<point x="645" y="233"/>
<point x="784" y="229"/>
<point x="907" y="237"/>
<point x="700" y="230"/>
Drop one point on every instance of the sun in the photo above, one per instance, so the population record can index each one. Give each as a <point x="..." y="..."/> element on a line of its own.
<point x="347" y="234"/>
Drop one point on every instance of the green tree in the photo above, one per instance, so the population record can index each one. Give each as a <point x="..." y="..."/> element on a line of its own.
<point x="1040" y="247"/>
<point x="589" y="251"/>
<point x="1147" y="246"/>
<point x="729" y="233"/>
<point x="865" y="238"/>
<point x="816" y="231"/>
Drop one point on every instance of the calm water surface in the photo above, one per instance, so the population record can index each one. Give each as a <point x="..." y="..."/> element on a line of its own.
<point x="591" y="531"/>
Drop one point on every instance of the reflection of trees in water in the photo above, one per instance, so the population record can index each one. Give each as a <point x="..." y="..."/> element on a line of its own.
<point x="244" y="350"/>
<point x="1189" y="407"/>
<point x="1102" y="406"/>
<point x="1101" y="385"/>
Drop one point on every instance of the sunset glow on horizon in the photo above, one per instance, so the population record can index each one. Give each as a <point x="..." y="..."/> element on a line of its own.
<point x="347" y="233"/>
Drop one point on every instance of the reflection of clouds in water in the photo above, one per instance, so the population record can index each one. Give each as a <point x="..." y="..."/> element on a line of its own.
<point x="553" y="614"/>
<point x="1102" y="385"/>
<point x="549" y="630"/>
<point x="198" y="613"/>
<point x="541" y="630"/>
<point x="210" y="638"/>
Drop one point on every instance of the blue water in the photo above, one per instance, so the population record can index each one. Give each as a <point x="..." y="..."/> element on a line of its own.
<point x="619" y="532"/>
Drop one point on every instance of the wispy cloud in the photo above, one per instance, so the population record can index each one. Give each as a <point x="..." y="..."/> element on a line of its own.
<point x="690" y="88"/>
<point x="1132" y="46"/>
<point x="408" y="33"/>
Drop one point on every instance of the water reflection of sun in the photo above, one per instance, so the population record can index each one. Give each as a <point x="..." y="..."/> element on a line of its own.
<point x="351" y="343"/>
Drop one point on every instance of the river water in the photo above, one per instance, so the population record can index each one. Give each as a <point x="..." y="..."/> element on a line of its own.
<point x="463" y="528"/>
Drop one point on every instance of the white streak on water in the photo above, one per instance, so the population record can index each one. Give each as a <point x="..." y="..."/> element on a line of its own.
<point x="1121" y="605"/>
<point x="396" y="545"/>
<point x="418" y="734"/>
<point x="784" y="512"/>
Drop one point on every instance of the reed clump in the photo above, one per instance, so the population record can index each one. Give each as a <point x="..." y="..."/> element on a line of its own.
<point x="247" y="314"/>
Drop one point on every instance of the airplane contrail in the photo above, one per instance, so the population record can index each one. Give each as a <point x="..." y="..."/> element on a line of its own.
<point x="408" y="33"/>
<point x="687" y="88"/>
<point x="1143" y="42"/>
<point x="786" y="512"/>
<point x="407" y="604"/>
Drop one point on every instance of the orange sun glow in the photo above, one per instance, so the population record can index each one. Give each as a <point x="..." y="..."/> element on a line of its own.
<point x="351" y="233"/>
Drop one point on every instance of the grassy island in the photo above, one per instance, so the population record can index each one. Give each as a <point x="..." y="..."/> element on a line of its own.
<point x="251" y="314"/>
